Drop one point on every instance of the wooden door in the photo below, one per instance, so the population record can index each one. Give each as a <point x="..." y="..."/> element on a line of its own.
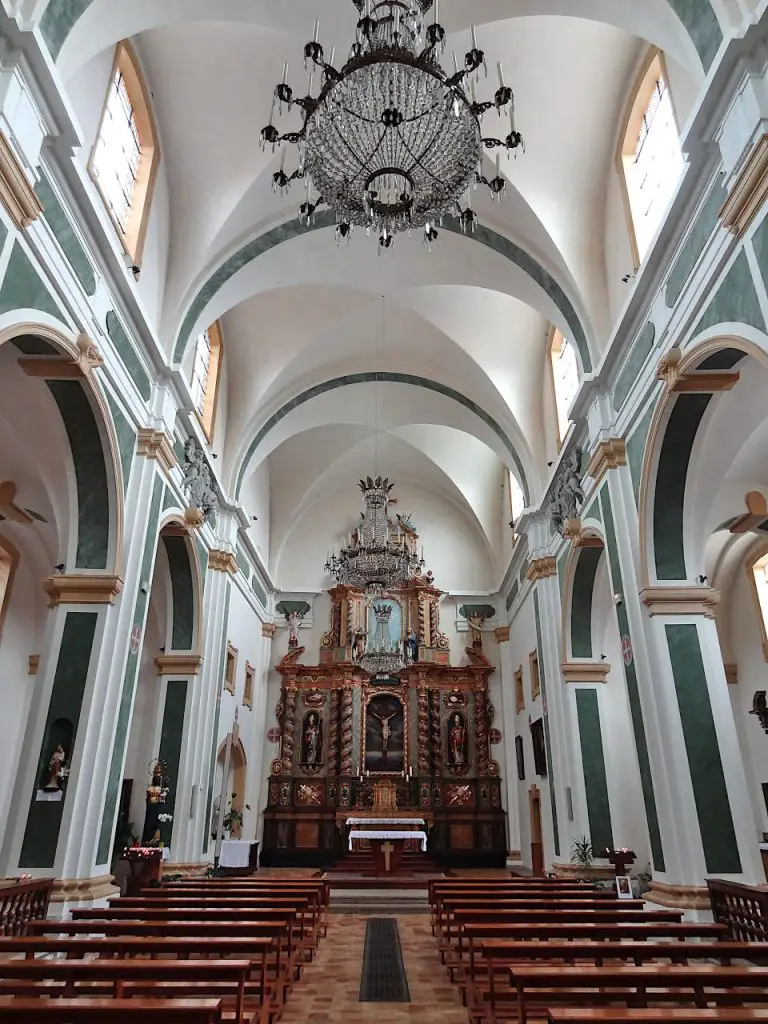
<point x="537" y="846"/>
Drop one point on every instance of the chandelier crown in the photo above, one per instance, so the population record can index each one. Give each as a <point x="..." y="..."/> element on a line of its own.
<point x="392" y="141"/>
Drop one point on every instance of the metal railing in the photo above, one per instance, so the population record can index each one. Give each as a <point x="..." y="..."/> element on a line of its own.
<point x="22" y="902"/>
<point x="743" y="908"/>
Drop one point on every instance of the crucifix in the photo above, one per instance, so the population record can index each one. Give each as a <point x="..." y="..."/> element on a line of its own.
<point x="232" y="737"/>
<point x="387" y="849"/>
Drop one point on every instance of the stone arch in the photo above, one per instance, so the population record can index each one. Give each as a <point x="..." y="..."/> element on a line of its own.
<point x="97" y="543"/>
<point x="578" y="591"/>
<point x="238" y="768"/>
<point x="184" y="626"/>
<point x="674" y="427"/>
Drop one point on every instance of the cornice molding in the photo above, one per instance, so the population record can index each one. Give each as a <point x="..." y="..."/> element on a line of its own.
<point x="748" y="192"/>
<point x="731" y="673"/>
<point x="79" y="588"/>
<point x="222" y="561"/>
<point x="501" y="634"/>
<point x="179" y="664"/>
<point x="585" y="671"/>
<point x="155" y="444"/>
<point x="16" y="194"/>
<point x="609" y="454"/>
<point x="681" y="600"/>
<point x="541" y="568"/>
<point x="696" y="382"/>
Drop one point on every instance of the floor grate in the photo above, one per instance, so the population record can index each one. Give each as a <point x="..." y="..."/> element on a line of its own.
<point x="383" y="979"/>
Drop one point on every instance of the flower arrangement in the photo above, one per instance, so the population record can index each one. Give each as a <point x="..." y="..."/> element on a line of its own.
<point x="164" y="818"/>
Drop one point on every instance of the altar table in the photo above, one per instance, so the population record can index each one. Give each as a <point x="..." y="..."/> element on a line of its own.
<point x="374" y="820"/>
<point x="238" y="855"/>
<point x="391" y="834"/>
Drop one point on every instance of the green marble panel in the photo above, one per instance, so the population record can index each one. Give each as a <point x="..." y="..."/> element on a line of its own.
<point x="64" y="234"/>
<point x="633" y="364"/>
<point x="671" y="477"/>
<point x="217" y="714"/>
<point x="183" y="591"/>
<point x="243" y="562"/>
<point x="171" y="736"/>
<point x="388" y="378"/>
<point x="284" y="232"/>
<point x="58" y="21"/>
<point x="693" y="246"/>
<point x="592" y="511"/>
<point x="125" y="708"/>
<point x="735" y="301"/>
<point x="633" y="691"/>
<point x="521" y="576"/>
<point x="760" y="245"/>
<point x="3" y="234"/>
<point x="636" y="449"/>
<point x="581" y="602"/>
<point x="514" y="590"/>
<point x="593" y="763"/>
<point x="547" y="739"/>
<point x="32" y="346"/>
<point x="23" y="288"/>
<point x="90" y="473"/>
<point x="702" y="26"/>
<point x="710" y="793"/>
<point x="126" y="439"/>
<point x="724" y="359"/>
<point x="128" y="355"/>
<point x="41" y="835"/>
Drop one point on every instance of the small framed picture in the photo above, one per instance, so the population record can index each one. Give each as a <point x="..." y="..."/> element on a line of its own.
<point x="624" y="887"/>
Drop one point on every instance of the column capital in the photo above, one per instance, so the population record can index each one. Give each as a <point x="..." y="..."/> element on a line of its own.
<point x="501" y="634"/>
<point x="268" y="629"/>
<point x="82" y="588"/>
<point x="155" y="444"/>
<point x="585" y="671"/>
<point x="222" y="561"/>
<point x="609" y="454"/>
<point x="681" y="600"/>
<point x="16" y="193"/>
<point x="179" y="664"/>
<point x="541" y="568"/>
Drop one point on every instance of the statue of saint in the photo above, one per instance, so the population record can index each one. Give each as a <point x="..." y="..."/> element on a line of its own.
<point x="312" y="739"/>
<point x="55" y="770"/>
<point x="457" y="736"/>
<point x="412" y="644"/>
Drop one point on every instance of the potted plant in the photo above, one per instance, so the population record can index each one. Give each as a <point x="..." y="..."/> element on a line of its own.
<point x="233" y="819"/>
<point x="581" y="852"/>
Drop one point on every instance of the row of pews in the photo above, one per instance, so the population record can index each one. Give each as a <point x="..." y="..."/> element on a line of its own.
<point x="571" y="953"/>
<point x="198" y="951"/>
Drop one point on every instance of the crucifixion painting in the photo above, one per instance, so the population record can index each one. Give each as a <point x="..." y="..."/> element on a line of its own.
<point x="384" y="734"/>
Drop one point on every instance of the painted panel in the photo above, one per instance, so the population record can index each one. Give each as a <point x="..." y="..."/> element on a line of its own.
<point x="633" y="364"/>
<point x="114" y="776"/>
<point x="23" y="288"/>
<point x="171" y="735"/>
<point x="90" y="473"/>
<point x="581" y="602"/>
<point x="65" y="235"/>
<point x="735" y="301"/>
<point x="41" y="834"/>
<point x="128" y="355"/>
<point x="693" y="246"/>
<point x="593" y="762"/>
<point x="633" y="692"/>
<point x="718" y="835"/>
<point x="547" y="740"/>
<point x="183" y="625"/>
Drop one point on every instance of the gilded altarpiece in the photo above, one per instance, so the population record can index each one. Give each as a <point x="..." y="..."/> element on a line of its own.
<point x="427" y="728"/>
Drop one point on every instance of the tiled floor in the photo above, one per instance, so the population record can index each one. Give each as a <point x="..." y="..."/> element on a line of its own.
<point x="329" y="986"/>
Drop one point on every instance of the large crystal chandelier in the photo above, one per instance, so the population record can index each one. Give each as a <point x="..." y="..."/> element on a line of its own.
<point x="383" y="656"/>
<point x="375" y="557"/>
<point x="392" y="141"/>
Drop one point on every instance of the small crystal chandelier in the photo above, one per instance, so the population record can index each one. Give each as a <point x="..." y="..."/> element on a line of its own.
<point x="375" y="558"/>
<point x="392" y="141"/>
<point x="383" y="656"/>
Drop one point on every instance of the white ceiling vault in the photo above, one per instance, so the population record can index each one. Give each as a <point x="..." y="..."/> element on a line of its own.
<point x="305" y="312"/>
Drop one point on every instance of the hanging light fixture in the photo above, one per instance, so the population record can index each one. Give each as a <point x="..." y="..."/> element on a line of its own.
<point x="392" y="141"/>
<point x="383" y="656"/>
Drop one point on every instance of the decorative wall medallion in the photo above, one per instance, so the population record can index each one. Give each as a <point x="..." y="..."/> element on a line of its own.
<point x="459" y="796"/>
<point x="274" y="734"/>
<point x="309" y="794"/>
<point x="495" y="736"/>
<point x="314" y="699"/>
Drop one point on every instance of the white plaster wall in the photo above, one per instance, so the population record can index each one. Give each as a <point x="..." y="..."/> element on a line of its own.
<point x="255" y="499"/>
<point x="86" y="91"/>
<point x="752" y="675"/>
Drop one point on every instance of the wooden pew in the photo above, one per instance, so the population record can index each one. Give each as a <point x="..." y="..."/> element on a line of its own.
<point x="110" y="1011"/>
<point x="449" y="906"/>
<point x="520" y="894"/>
<point x="122" y="979"/>
<point x="543" y="986"/>
<point x="656" y="1015"/>
<point x="486" y="984"/>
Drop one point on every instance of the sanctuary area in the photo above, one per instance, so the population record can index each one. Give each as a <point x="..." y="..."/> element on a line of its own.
<point x="383" y="511"/>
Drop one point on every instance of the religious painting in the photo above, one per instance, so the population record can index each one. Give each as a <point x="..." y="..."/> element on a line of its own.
<point x="386" y="627"/>
<point x="384" y="734"/>
<point x="456" y="735"/>
<point x="312" y="739"/>
<point x="520" y="755"/>
<point x="539" y="750"/>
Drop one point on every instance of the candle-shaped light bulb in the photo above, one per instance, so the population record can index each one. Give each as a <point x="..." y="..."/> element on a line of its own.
<point x="512" y="115"/>
<point x="285" y="72"/>
<point x="317" y="29"/>
<point x="333" y="54"/>
<point x="397" y="21"/>
<point x="474" y="37"/>
<point x="437" y="11"/>
<point x="500" y="69"/>
<point x="473" y="91"/>
<point x="498" y="164"/>
<point x="309" y="84"/>
<point x="282" y="159"/>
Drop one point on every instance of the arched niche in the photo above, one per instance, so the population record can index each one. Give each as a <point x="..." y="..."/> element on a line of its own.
<point x="234" y="790"/>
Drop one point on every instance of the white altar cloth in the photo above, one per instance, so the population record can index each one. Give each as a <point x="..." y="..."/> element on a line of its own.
<point x="388" y="833"/>
<point x="385" y="821"/>
<point x="235" y="853"/>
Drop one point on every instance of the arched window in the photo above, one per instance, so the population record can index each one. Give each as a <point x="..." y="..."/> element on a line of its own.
<point x="649" y="157"/>
<point x="516" y="500"/>
<point x="126" y="153"/>
<point x="565" y="379"/>
<point x="205" y="376"/>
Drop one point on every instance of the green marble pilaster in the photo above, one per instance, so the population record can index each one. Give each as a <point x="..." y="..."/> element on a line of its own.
<point x="581" y="602"/>
<point x="171" y="736"/>
<point x="545" y="712"/>
<point x="593" y="763"/>
<point x="220" y="660"/>
<point x="126" y="438"/>
<point x="636" y="450"/>
<point x="182" y="589"/>
<point x="128" y="355"/>
<point x="65" y="235"/>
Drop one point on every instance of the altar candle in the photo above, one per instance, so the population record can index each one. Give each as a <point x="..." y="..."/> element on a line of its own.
<point x="285" y="72"/>
<point x="498" y="164"/>
<point x="437" y="11"/>
<point x="455" y="62"/>
<point x="333" y="54"/>
<point x="512" y="115"/>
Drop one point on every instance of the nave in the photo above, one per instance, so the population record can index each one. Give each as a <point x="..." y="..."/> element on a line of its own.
<point x="494" y="947"/>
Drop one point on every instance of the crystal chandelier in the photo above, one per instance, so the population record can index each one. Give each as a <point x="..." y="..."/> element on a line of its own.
<point x="392" y="141"/>
<point x="383" y="656"/>
<point x="374" y="557"/>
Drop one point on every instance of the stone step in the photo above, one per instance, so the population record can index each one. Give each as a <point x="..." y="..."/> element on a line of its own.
<point x="375" y="902"/>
